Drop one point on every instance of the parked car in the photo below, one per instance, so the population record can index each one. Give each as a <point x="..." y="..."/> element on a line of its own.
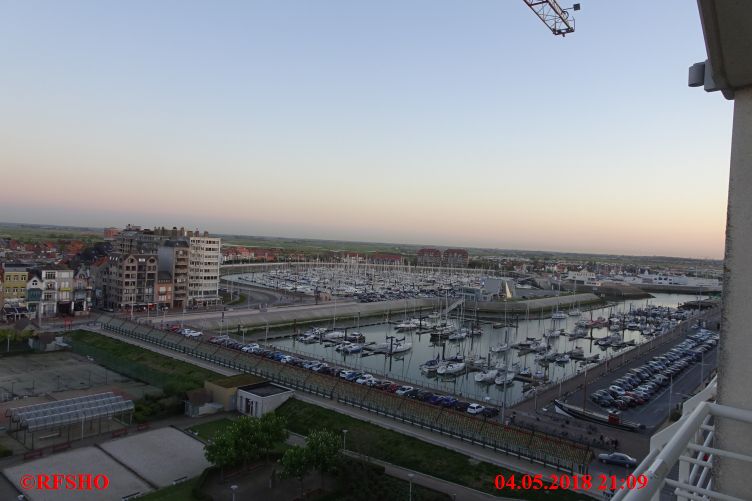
<point x="402" y="390"/>
<point x="475" y="409"/>
<point x="436" y="399"/>
<point x="461" y="406"/>
<point x="618" y="458"/>
<point x="490" y="412"/>
<point x="616" y="390"/>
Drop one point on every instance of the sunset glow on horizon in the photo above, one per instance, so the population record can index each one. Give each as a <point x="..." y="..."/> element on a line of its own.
<point x="424" y="122"/>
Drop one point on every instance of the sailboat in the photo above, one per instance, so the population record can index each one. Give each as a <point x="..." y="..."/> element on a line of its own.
<point x="487" y="376"/>
<point x="505" y="378"/>
<point x="575" y="311"/>
<point x="562" y="359"/>
<point x="457" y="336"/>
<point x="451" y="368"/>
<point x="399" y="347"/>
<point x="558" y="315"/>
<point x="499" y="348"/>
<point x="430" y="365"/>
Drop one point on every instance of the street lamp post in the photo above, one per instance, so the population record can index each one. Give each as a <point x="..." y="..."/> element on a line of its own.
<point x="344" y="440"/>
<point x="670" y="392"/>
<point x="233" y="488"/>
<point x="410" y="477"/>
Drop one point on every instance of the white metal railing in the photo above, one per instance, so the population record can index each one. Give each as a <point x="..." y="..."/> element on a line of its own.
<point x="691" y="447"/>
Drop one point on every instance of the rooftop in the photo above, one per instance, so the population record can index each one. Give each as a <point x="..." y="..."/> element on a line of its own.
<point x="264" y="389"/>
<point x="238" y="381"/>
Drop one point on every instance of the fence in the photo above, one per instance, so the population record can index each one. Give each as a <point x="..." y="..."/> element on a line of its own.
<point x="534" y="446"/>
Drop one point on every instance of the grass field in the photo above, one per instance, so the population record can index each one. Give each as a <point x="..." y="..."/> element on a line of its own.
<point x="174" y="376"/>
<point x="407" y="452"/>
<point x="206" y="431"/>
<point x="34" y="233"/>
<point x="228" y="301"/>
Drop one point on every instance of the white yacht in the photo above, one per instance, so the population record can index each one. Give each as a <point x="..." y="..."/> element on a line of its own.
<point x="333" y="335"/>
<point x="505" y="378"/>
<point x="353" y="348"/>
<point x="399" y="347"/>
<point x="562" y="359"/>
<point x="409" y="325"/>
<point x="451" y="368"/>
<point x="499" y="348"/>
<point x="457" y="336"/>
<point x="487" y="376"/>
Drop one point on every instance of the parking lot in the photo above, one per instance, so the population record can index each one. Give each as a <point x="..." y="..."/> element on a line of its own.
<point x="658" y="406"/>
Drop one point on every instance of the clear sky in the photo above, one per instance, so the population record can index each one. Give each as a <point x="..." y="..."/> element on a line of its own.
<point x="446" y="122"/>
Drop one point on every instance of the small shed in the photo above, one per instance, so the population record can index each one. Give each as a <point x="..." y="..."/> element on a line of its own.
<point x="224" y="391"/>
<point x="259" y="399"/>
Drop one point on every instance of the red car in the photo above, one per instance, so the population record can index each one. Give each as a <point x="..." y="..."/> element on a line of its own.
<point x="638" y="399"/>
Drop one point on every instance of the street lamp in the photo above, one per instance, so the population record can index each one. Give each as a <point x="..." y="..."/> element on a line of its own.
<point x="233" y="488"/>
<point x="410" y="477"/>
<point x="344" y="440"/>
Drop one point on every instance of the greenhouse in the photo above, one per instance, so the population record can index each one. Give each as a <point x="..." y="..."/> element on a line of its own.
<point x="70" y="419"/>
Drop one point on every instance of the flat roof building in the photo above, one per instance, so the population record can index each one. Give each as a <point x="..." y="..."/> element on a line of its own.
<point x="261" y="398"/>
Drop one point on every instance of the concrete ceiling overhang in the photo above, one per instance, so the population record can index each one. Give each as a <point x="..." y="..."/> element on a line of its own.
<point x="727" y="27"/>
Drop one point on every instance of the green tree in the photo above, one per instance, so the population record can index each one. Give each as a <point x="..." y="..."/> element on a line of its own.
<point x="246" y="435"/>
<point x="323" y="449"/>
<point x="221" y="451"/>
<point x="271" y="431"/>
<point x="245" y="440"/>
<point x="296" y="463"/>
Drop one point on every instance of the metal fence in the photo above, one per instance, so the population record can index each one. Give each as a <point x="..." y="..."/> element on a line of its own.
<point x="534" y="446"/>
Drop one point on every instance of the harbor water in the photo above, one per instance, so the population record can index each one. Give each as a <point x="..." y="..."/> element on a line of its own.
<point x="405" y="366"/>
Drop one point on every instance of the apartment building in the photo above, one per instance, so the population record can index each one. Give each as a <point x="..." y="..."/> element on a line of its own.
<point x="174" y="259"/>
<point x="456" y="258"/>
<point x="34" y="291"/>
<point x="63" y="278"/>
<point x="16" y="276"/>
<point x="191" y="258"/>
<point x="129" y="281"/>
<point x="83" y="287"/>
<point x="164" y="289"/>
<point x="203" y="270"/>
<point x="429" y="257"/>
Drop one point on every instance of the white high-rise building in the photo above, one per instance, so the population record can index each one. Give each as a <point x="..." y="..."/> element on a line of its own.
<point x="203" y="269"/>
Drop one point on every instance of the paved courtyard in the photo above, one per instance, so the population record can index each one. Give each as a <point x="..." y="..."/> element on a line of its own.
<point x="76" y="462"/>
<point x="160" y="456"/>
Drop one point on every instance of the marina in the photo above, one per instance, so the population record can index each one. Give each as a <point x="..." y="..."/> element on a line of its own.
<point x="458" y="355"/>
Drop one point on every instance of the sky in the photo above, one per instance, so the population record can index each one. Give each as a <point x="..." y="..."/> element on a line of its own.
<point x="444" y="122"/>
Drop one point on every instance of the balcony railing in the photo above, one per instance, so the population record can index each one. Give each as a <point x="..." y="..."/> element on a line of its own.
<point x="688" y="444"/>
